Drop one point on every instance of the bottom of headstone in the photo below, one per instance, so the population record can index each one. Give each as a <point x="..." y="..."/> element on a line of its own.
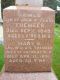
<point x="28" y="76"/>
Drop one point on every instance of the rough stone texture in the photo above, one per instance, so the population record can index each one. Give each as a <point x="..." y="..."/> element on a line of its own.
<point x="28" y="76"/>
<point x="28" y="38"/>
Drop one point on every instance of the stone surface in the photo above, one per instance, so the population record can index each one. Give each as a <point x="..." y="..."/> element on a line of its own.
<point x="28" y="76"/>
<point x="29" y="2"/>
<point x="28" y="38"/>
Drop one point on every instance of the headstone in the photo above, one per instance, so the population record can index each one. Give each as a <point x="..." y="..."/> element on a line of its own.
<point x="28" y="38"/>
<point x="29" y="2"/>
<point x="28" y="76"/>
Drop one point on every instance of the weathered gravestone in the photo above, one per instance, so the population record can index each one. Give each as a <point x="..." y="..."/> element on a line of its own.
<point x="29" y="2"/>
<point x="28" y="38"/>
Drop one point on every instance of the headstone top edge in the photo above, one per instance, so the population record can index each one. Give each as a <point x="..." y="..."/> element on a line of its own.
<point x="29" y="8"/>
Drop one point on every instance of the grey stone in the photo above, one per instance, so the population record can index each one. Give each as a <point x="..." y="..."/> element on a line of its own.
<point x="28" y="76"/>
